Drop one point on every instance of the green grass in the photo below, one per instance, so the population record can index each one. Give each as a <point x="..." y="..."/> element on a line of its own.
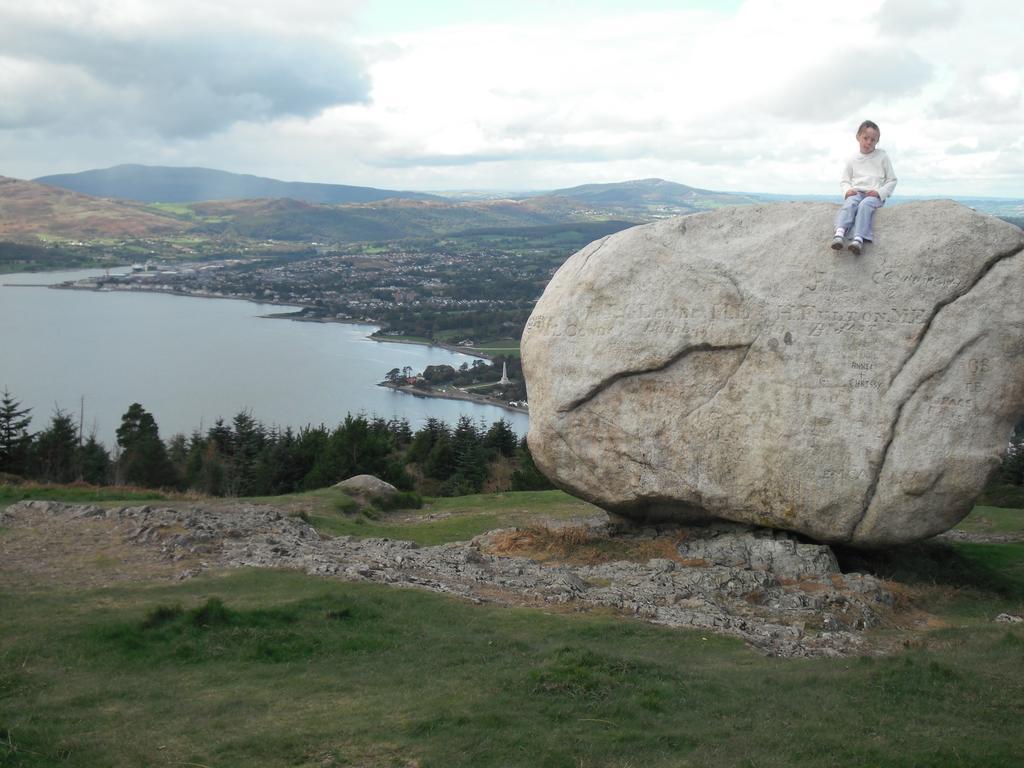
<point x="1004" y="562"/>
<point x="552" y="503"/>
<point x="273" y="668"/>
<point x="984" y="519"/>
<point x="443" y="520"/>
<point x="402" y="339"/>
<point x="967" y="583"/>
<point x="440" y="520"/>
<point x="180" y="210"/>
<point x="508" y="347"/>
<point x="425" y="534"/>
<point x="264" y="668"/>
<point x="85" y="494"/>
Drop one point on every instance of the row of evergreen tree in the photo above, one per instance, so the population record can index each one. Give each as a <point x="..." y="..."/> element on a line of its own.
<point x="245" y="458"/>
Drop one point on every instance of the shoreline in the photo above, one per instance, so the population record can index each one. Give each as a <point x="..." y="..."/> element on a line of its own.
<point x="453" y="394"/>
<point x="373" y="337"/>
<point x="449" y="347"/>
<point x="294" y="316"/>
<point x="186" y="294"/>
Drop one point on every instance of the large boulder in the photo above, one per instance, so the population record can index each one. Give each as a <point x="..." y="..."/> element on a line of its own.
<point x="729" y="365"/>
<point x="367" y="486"/>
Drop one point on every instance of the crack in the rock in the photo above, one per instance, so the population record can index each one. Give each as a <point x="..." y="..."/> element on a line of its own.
<point x="869" y="495"/>
<point x="600" y="244"/>
<point x="722" y="385"/>
<point x="985" y="269"/>
<point x="618" y="376"/>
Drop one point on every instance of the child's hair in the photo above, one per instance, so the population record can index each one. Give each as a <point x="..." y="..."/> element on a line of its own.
<point x="868" y="124"/>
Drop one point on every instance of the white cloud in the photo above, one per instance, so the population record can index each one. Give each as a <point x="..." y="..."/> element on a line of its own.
<point x="990" y="97"/>
<point x="34" y="94"/>
<point x="901" y="18"/>
<point x="848" y="82"/>
<point x="182" y="69"/>
<point x="763" y="99"/>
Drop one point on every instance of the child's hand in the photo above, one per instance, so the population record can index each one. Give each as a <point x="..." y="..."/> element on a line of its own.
<point x="872" y="193"/>
<point x="851" y="192"/>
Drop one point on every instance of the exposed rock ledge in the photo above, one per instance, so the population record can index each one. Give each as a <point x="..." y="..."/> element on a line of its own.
<point x="779" y="595"/>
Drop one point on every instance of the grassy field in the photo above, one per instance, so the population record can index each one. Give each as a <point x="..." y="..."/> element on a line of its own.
<point x="274" y="668"/>
<point x="1007" y="496"/>
<point x="507" y="347"/>
<point x="986" y="519"/>
<point x="181" y="210"/>
<point x="439" y="521"/>
<point x="80" y="494"/>
<point x="402" y="339"/>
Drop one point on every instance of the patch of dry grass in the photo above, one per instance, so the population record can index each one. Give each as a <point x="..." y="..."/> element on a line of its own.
<point x="51" y="553"/>
<point x="581" y="545"/>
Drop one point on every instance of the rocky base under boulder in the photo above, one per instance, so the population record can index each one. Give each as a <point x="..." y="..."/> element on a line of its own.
<point x="778" y="594"/>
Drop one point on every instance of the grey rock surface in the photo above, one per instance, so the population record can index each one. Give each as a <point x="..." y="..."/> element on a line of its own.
<point x="367" y="485"/>
<point x="767" y="601"/>
<point x="729" y="365"/>
<point x="761" y="549"/>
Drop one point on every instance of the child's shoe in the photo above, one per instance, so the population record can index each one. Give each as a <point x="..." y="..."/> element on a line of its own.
<point x="837" y="243"/>
<point x="855" y="246"/>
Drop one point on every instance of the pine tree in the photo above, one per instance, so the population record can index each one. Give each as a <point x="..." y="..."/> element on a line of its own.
<point x="178" y="453"/>
<point x="500" y="439"/>
<point x="211" y="472"/>
<point x="470" y="458"/>
<point x="220" y="434"/>
<point x="55" y="450"/>
<point x="247" y="439"/>
<point x="354" y="448"/>
<point x="14" y="435"/>
<point x="401" y="431"/>
<point x="194" y="461"/>
<point x="144" y="458"/>
<point x="94" y="462"/>
<point x="425" y="439"/>
<point x="277" y="469"/>
<point x="527" y="476"/>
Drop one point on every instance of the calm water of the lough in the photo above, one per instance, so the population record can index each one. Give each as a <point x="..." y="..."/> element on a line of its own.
<point x="191" y="360"/>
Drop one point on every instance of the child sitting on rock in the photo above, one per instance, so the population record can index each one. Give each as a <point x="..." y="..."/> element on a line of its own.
<point x="868" y="180"/>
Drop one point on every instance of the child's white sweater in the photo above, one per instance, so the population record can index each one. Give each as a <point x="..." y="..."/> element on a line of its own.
<point x="869" y="172"/>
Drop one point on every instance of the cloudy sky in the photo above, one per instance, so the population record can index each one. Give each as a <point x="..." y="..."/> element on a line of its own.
<point x="746" y="95"/>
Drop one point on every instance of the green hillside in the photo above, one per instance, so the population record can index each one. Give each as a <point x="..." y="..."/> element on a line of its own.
<point x="164" y="184"/>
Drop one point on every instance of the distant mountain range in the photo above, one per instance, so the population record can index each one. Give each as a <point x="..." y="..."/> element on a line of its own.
<point x="650" y="195"/>
<point x="151" y="201"/>
<point x="134" y="201"/>
<point x="32" y="212"/>
<point x="164" y="184"/>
